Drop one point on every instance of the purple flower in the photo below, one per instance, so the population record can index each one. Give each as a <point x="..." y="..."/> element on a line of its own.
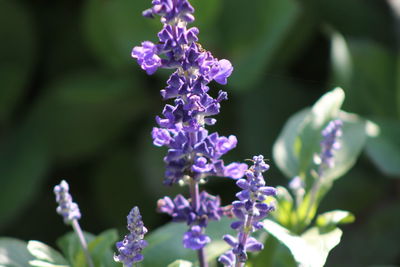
<point x="147" y="57"/>
<point x="181" y="210"/>
<point x="228" y="258"/>
<point x="225" y="70"/>
<point x="193" y="153"/>
<point x="68" y="209"/>
<point x="249" y="209"/>
<point x="195" y="239"/>
<point x="130" y="247"/>
<point x="329" y="143"/>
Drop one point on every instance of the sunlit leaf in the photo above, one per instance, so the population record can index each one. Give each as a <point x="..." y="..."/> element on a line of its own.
<point x="13" y="253"/>
<point x="329" y="220"/>
<point x="300" y="139"/>
<point x="46" y="254"/>
<point x="311" y="249"/>
<point x="180" y="263"/>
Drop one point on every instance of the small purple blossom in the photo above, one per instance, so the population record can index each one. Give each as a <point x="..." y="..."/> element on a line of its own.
<point x="130" y="247"/>
<point x="147" y="57"/>
<point x="250" y="209"/>
<point x="68" y="209"/>
<point x="182" y="210"/>
<point x="195" y="239"/>
<point x="329" y="143"/>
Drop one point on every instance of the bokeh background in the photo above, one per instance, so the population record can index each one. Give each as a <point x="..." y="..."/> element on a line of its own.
<point x="75" y="106"/>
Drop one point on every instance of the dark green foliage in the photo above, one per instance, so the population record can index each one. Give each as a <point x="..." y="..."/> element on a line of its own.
<point x="74" y="105"/>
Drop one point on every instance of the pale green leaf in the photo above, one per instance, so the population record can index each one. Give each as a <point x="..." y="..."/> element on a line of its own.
<point x="332" y="218"/>
<point x="300" y="139"/>
<point x="384" y="147"/>
<point x="45" y="253"/>
<point x="70" y="245"/>
<point x="311" y="249"/>
<point x="285" y="204"/>
<point x="13" y="253"/>
<point x="180" y="263"/>
<point x="39" y="263"/>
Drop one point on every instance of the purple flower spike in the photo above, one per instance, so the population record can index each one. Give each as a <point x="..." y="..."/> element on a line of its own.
<point x="194" y="238"/>
<point x="147" y="57"/>
<point x="249" y="209"/>
<point x="68" y="209"/>
<point x="329" y="143"/>
<point x="130" y="248"/>
<point x="193" y="153"/>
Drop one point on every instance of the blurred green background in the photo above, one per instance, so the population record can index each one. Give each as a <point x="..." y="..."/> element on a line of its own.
<point x="75" y="106"/>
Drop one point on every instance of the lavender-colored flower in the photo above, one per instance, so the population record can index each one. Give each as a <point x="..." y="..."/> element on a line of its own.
<point x="249" y="209"/>
<point x="147" y="57"/>
<point x="192" y="151"/>
<point x="195" y="239"/>
<point x="131" y="246"/>
<point x="329" y="143"/>
<point x="181" y="210"/>
<point x="68" y="209"/>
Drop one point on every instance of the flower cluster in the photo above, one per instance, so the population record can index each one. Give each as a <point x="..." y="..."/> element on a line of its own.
<point x="68" y="209"/>
<point x="181" y="210"/>
<point x="130" y="248"/>
<point x="192" y="151"/>
<point x="249" y="209"/>
<point x="330" y="143"/>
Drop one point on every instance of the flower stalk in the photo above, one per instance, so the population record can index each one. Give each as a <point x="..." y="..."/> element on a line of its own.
<point x="70" y="212"/>
<point x="193" y="153"/>
<point x="250" y="209"/>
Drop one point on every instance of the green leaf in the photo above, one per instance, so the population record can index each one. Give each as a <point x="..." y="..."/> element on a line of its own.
<point x="329" y="220"/>
<point x="165" y="243"/>
<point x="116" y="26"/>
<point x="284" y="212"/>
<point x="73" y="111"/>
<point x="384" y="147"/>
<point x="323" y="111"/>
<point x="24" y="161"/>
<point x="13" y="253"/>
<point x="341" y="60"/>
<point x="101" y="250"/>
<point x="45" y="254"/>
<point x="70" y="245"/>
<point x="353" y="139"/>
<point x="17" y="54"/>
<point x="253" y="48"/>
<point x="39" y="263"/>
<point x="311" y="249"/>
<point x="300" y="139"/>
<point x="180" y="263"/>
<point x="367" y="70"/>
<point x="398" y="85"/>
